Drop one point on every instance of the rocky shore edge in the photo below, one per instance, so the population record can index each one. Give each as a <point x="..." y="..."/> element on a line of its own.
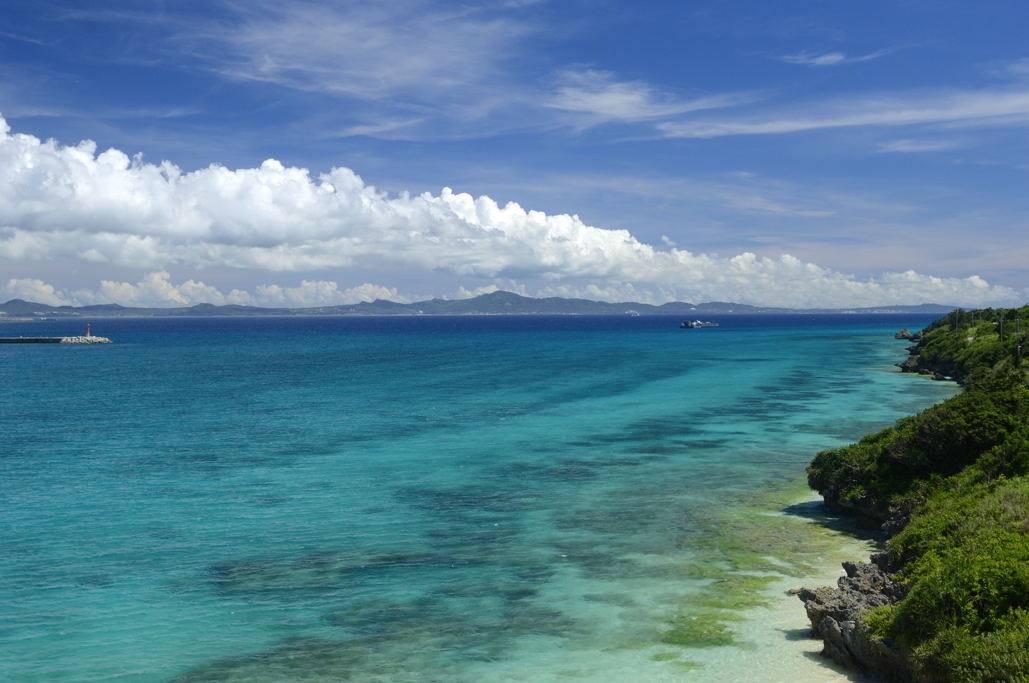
<point x="914" y="362"/>
<point x="837" y="618"/>
<point x="837" y="615"/>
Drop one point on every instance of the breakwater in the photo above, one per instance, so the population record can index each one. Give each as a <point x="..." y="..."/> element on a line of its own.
<point x="84" y="339"/>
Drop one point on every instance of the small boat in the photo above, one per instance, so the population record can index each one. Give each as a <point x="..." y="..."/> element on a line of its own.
<point x="697" y="323"/>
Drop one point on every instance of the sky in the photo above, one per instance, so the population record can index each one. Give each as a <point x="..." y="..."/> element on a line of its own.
<point x="804" y="153"/>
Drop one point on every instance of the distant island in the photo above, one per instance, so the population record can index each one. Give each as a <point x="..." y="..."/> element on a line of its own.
<point x="494" y="303"/>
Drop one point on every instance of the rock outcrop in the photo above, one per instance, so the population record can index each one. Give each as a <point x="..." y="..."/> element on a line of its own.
<point x="907" y="334"/>
<point x="914" y="361"/>
<point x="836" y="616"/>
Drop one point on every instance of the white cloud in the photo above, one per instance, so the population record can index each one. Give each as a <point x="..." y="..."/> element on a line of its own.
<point x="1018" y="68"/>
<point x="404" y="69"/>
<point x="25" y="39"/>
<point x="599" y="96"/>
<point x="463" y="293"/>
<point x="70" y="203"/>
<point x="321" y="293"/>
<point x="614" y="292"/>
<point x="157" y="289"/>
<point x="968" y="108"/>
<point x="737" y="284"/>
<point x="31" y="289"/>
<point x="917" y="146"/>
<point x="382" y="129"/>
<point x="830" y="58"/>
<point x="404" y="50"/>
<point x="740" y="192"/>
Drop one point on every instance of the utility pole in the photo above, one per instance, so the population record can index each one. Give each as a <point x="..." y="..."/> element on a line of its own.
<point x="1018" y="342"/>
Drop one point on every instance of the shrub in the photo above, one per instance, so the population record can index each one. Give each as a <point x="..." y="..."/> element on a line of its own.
<point x="957" y="477"/>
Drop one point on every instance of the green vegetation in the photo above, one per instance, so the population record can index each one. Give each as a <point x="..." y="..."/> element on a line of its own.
<point x="966" y="341"/>
<point x="704" y="628"/>
<point x="953" y="482"/>
<point x="744" y="550"/>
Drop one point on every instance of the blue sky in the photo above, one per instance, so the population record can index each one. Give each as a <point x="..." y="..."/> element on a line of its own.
<point x="804" y="153"/>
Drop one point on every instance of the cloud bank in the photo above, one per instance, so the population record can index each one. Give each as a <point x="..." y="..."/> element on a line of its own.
<point x="157" y="289"/>
<point x="72" y="203"/>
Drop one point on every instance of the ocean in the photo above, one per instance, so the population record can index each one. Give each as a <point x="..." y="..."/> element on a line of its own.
<point x="448" y="499"/>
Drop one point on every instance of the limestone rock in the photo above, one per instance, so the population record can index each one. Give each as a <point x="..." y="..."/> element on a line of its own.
<point x="836" y="617"/>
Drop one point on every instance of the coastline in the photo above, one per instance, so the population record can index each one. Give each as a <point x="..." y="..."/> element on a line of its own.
<point x="942" y="598"/>
<point x="834" y="613"/>
<point x="786" y="651"/>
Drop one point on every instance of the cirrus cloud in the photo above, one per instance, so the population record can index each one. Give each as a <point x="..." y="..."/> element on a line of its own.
<point x="599" y="98"/>
<point x="830" y="58"/>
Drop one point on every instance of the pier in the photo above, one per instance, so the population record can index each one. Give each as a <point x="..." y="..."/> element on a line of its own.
<point x="86" y="338"/>
<point x="90" y="339"/>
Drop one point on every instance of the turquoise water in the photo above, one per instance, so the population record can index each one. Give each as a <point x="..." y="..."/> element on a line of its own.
<point x="423" y="499"/>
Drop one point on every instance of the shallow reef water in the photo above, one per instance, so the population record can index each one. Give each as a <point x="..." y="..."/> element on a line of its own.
<point x="430" y="499"/>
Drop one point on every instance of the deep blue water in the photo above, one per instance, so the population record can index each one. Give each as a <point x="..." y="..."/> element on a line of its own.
<point x="399" y="498"/>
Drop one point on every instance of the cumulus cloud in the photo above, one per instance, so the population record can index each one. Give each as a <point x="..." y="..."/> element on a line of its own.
<point x="321" y="293"/>
<point x="73" y="203"/>
<point x="157" y="289"/>
<point x="463" y="293"/>
<point x="32" y="289"/>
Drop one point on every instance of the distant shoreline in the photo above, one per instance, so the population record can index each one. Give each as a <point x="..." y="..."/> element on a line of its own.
<point x="494" y="303"/>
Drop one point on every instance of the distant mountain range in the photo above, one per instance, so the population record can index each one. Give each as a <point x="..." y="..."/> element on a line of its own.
<point x="495" y="303"/>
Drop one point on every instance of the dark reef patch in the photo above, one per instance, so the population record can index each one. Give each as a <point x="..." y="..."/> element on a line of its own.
<point x="314" y="571"/>
<point x="467" y="498"/>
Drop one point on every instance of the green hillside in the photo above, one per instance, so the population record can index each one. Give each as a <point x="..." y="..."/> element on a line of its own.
<point x="952" y="486"/>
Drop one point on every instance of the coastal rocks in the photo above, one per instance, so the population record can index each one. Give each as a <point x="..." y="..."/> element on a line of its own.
<point x="907" y="334"/>
<point x="909" y="364"/>
<point x="836" y="616"/>
<point x="914" y="362"/>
